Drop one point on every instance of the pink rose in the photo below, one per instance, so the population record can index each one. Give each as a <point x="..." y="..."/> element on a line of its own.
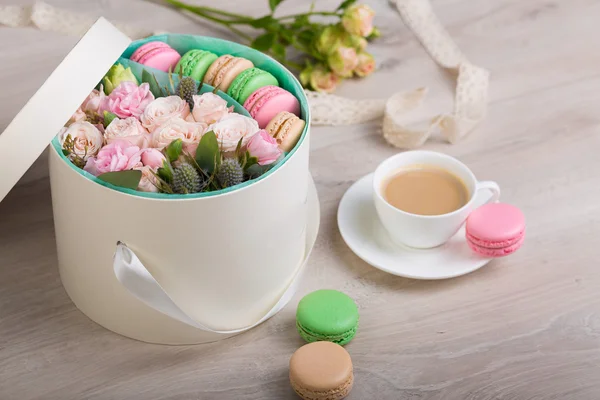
<point x="264" y="147"/>
<point x="189" y="132"/>
<point x="88" y="139"/>
<point x="148" y="182"/>
<point x="128" y="100"/>
<point x="128" y="129"/>
<point x="163" y="109"/>
<point x="95" y="101"/>
<point x="231" y="128"/>
<point x="358" y="20"/>
<point x="152" y="158"/>
<point x="120" y="155"/>
<point x="209" y="108"/>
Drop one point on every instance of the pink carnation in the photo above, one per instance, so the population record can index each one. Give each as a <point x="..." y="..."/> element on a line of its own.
<point x="128" y="100"/>
<point x="119" y="155"/>
<point x="264" y="147"/>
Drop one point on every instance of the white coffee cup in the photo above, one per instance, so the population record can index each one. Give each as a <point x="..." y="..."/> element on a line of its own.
<point x="426" y="231"/>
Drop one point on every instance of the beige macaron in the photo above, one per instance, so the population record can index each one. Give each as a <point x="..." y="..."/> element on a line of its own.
<point x="286" y="128"/>
<point x="224" y="70"/>
<point x="321" y="371"/>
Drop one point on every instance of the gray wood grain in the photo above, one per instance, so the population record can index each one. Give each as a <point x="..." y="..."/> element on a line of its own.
<point x="524" y="327"/>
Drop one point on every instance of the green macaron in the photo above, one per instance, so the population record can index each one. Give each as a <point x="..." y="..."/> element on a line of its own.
<point x="327" y="315"/>
<point x="248" y="82"/>
<point x="195" y="63"/>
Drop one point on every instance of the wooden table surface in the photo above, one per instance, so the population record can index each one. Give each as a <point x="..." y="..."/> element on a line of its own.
<point x="523" y="327"/>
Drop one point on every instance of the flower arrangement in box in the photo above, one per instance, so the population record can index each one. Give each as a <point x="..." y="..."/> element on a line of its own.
<point x="170" y="139"/>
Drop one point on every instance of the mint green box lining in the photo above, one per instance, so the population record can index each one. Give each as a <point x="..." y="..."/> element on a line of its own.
<point x="184" y="43"/>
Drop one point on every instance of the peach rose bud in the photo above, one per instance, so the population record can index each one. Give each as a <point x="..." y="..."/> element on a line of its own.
<point x="358" y="20"/>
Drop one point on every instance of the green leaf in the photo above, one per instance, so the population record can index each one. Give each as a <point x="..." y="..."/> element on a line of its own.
<point x="172" y="83"/>
<point x="273" y="4"/>
<point x="66" y="153"/>
<point x="239" y="147"/>
<point x="263" y="22"/>
<point x="126" y="179"/>
<point x="345" y="4"/>
<point x="306" y="74"/>
<point x="301" y="21"/>
<point x="374" y="34"/>
<point x="250" y="161"/>
<point x="306" y="38"/>
<point x="279" y="50"/>
<point x="267" y="23"/>
<point x="208" y="155"/>
<point x="264" y="42"/>
<point x="287" y="36"/>
<point x="174" y="150"/>
<point x="108" y="118"/>
<point x="256" y="170"/>
<point x="165" y="172"/>
<point x="243" y="158"/>
<point x="150" y="79"/>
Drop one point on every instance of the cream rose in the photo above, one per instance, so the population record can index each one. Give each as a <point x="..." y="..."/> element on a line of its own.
<point x="209" y="108"/>
<point x="148" y="182"/>
<point x="231" y="128"/>
<point x="128" y="129"/>
<point x="87" y="138"/>
<point x="163" y="109"/>
<point x="189" y="132"/>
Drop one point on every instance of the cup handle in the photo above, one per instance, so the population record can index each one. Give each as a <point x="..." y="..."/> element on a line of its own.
<point x="491" y="187"/>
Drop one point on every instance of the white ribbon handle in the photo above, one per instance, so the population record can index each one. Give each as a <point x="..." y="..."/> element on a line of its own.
<point x="138" y="281"/>
<point x="132" y="274"/>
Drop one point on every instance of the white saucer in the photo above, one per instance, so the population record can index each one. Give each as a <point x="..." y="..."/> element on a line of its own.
<point x="367" y="238"/>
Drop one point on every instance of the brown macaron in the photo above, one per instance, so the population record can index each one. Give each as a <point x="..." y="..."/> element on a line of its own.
<point x="224" y="70"/>
<point x="286" y="128"/>
<point x="321" y="371"/>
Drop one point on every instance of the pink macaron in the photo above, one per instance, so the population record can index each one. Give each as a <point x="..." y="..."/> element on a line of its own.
<point x="268" y="101"/>
<point x="157" y="55"/>
<point x="495" y="230"/>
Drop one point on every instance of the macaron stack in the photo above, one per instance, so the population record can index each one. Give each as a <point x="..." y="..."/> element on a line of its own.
<point x="495" y="230"/>
<point x="249" y="81"/>
<point x="268" y="101"/>
<point x="157" y="55"/>
<point x="322" y="369"/>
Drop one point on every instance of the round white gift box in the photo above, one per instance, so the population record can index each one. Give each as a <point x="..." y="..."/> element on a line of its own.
<point x="223" y="258"/>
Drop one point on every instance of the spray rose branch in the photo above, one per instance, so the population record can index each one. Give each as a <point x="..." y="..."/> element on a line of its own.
<point x="330" y="52"/>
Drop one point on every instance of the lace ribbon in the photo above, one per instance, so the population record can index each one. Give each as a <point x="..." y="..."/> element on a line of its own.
<point x="403" y="127"/>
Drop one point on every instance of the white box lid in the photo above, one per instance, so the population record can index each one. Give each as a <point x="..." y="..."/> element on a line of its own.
<point x="57" y="99"/>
